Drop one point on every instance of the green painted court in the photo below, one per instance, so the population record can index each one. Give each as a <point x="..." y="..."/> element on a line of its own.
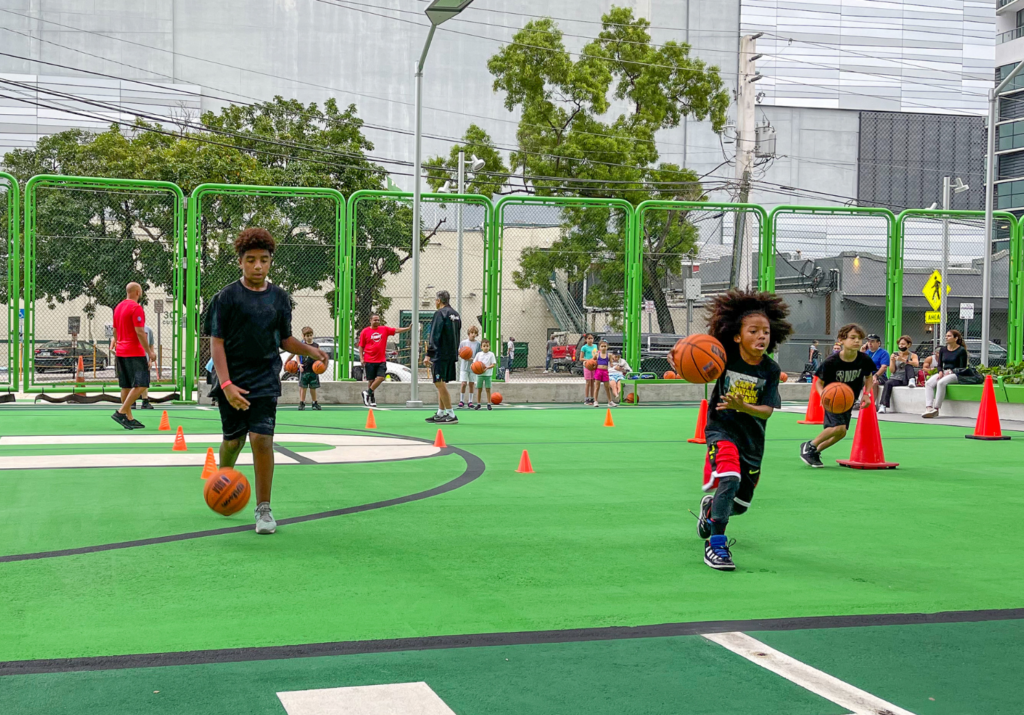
<point x="580" y="588"/>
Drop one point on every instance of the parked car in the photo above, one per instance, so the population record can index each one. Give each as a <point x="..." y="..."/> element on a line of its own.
<point x="996" y="353"/>
<point x="60" y="356"/>
<point x="396" y="372"/>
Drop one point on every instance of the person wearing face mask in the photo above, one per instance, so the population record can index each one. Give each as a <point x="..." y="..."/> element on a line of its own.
<point x="903" y="366"/>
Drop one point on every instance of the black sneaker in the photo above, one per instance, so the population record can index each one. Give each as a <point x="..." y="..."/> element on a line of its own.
<point x="366" y="398"/>
<point x="122" y="420"/>
<point x="146" y="405"/>
<point x="489" y="407"/>
<point x="302" y="406"/>
<point x="809" y="453"/>
<point x="448" y="420"/>
<point x="316" y="406"/>
<point x="136" y="424"/>
<point x="716" y="554"/>
<point x="435" y="418"/>
<point x="704" y="520"/>
<point x="478" y="407"/>
<point x="373" y="400"/>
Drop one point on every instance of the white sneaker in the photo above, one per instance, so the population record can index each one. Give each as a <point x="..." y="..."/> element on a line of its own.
<point x="930" y="412"/>
<point x="366" y="398"/>
<point x="881" y="409"/>
<point x="265" y="523"/>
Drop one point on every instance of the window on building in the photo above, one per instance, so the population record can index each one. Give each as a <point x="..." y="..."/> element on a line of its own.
<point x="1010" y="195"/>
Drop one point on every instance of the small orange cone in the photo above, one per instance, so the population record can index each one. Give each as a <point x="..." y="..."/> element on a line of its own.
<point x="179" y="441"/>
<point x="524" y="464"/>
<point x="987" y="427"/>
<point x="80" y="376"/>
<point x="608" y="418"/>
<point x="165" y="424"/>
<point x="867" y="452"/>
<point x="439" y="440"/>
<point x="371" y="423"/>
<point x="815" y="412"/>
<point x="211" y="464"/>
<point x="702" y="422"/>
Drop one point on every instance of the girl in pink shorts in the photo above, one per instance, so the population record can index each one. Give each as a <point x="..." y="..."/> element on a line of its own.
<point x="601" y="373"/>
<point x="588" y="351"/>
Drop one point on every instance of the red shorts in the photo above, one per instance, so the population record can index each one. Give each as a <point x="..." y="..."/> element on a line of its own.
<point x="723" y="460"/>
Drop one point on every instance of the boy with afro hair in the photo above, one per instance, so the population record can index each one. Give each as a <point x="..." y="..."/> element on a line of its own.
<point x="750" y="325"/>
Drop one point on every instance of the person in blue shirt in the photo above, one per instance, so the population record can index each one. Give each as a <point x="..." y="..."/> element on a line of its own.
<point x="880" y="356"/>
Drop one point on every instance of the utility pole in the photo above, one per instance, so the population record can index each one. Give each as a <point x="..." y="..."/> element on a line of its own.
<point x="746" y="141"/>
<point x="461" y="190"/>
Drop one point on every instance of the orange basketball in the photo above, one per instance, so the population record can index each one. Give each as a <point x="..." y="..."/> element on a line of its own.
<point x="291" y="366"/>
<point x="478" y="368"/>
<point x="631" y="398"/>
<point x="783" y="377"/>
<point x="698" y="358"/>
<point x="495" y="398"/>
<point x="319" y="367"/>
<point x="226" y="491"/>
<point x="669" y="375"/>
<point x="466" y="353"/>
<point x="590" y="365"/>
<point x="837" y="398"/>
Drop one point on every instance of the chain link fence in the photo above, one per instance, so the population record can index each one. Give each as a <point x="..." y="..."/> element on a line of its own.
<point x="926" y="275"/>
<point x="308" y="227"/>
<point x="562" y="275"/>
<point x="453" y="257"/>
<point x="10" y="270"/>
<point x="85" y="240"/>
<point x="832" y="267"/>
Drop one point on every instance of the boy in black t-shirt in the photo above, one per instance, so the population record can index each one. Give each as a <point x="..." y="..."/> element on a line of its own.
<point x="856" y="370"/>
<point x="307" y="378"/>
<point x="249" y="322"/>
<point x="749" y="325"/>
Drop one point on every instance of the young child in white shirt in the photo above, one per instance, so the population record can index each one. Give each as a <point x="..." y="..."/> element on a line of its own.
<point x="617" y="370"/>
<point x="466" y="376"/>
<point x="483" y="381"/>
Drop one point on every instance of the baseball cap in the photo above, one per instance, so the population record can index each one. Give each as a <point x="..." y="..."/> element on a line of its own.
<point x="874" y="336"/>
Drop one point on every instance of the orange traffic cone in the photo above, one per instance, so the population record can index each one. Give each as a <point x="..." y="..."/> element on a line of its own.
<point x="987" y="427"/>
<point x="439" y="440"/>
<point x="179" y="441"/>
<point x="702" y="422"/>
<point x="370" y="422"/>
<point x="524" y="464"/>
<point x="165" y="424"/>
<point x="211" y="464"/>
<point x="608" y="422"/>
<point x="80" y="376"/>
<point x="866" y="452"/>
<point x="815" y="414"/>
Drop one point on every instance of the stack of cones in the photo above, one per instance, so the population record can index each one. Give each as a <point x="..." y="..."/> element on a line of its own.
<point x="165" y="424"/>
<point x="608" y="422"/>
<point x="867" y="452"/>
<point x="179" y="441"/>
<point x="815" y="413"/>
<point x="211" y="464"/>
<point x="702" y="422"/>
<point x="524" y="464"/>
<point x="987" y="427"/>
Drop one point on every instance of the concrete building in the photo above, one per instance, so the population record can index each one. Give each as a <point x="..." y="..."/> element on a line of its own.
<point x="1010" y="120"/>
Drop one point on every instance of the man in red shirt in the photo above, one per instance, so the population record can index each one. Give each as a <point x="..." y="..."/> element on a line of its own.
<point x="372" y="343"/>
<point x="133" y="354"/>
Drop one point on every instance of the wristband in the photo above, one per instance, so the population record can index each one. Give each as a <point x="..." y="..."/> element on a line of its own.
<point x="225" y="384"/>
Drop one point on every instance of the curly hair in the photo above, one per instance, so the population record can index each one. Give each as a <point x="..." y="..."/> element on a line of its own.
<point x="845" y="331"/>
<point x="254" y="239"/>
<point x="727" y="311"/>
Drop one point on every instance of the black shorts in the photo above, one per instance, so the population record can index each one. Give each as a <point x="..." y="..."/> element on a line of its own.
<point x="309" y="379"/>
<point x="373" y="370"/>
<point x="723" y="461"/>
<point x="840" y="420"/>
<point x="260" y="418"/>
<point x="443" y="371"/>
<point x="132" y="372"/>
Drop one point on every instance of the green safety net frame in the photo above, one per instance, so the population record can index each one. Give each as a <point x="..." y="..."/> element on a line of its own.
<point x="87" y="183"/>
<point x="13" y="278"/>
<point x="195" y="247"/>
<point x="347" y="311"/>
<point x="893" y="285"/>
<point x="632" y="283"/>
<point x="894" y="315"/>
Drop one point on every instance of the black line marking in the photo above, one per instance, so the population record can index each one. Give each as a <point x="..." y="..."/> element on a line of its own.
<point x="294" y="455"/>
<point x="478" y="640"/>
<point x="474" y="468"/>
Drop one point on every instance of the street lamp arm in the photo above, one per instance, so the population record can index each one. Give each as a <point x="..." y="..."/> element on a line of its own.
<point x="426" y="49"/>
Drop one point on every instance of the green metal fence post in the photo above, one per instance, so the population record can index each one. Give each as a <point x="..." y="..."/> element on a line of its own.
<point x="1015" y="347"/>
<point x="13" y="280"/>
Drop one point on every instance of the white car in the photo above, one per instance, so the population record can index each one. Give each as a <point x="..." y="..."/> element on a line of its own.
<point x="396" y="372"/>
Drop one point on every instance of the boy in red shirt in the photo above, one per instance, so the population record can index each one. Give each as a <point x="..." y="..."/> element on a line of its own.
<point x="373" y="341"/>
<point x="133" y="353"/>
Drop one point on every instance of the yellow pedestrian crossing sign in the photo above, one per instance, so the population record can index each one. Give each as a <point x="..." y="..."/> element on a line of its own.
<point x="933" y="290"/>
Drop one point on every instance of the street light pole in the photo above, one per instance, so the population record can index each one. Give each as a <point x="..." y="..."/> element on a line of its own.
<point x="946" y="195"/>
<point x="990" y="191"/>
<point x="462" y="190"/>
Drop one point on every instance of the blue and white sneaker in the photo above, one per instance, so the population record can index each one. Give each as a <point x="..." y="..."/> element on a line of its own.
<point x="716" y="554"/>
<point x="704" y="520"/>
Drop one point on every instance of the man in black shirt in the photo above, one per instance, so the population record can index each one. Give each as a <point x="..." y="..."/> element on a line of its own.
<point x="249" y="322"/>
<point x="851" y="367"/>
<point x="443" y="337"/>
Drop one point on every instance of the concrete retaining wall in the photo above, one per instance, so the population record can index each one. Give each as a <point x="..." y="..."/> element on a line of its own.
<point x="911" y="400"/>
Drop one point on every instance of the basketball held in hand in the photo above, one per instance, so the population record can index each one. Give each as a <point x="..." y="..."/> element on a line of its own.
<point x="698" y="358"/>
<point x="478" y="368"/>
<point x="590" y="365"/>
<point x="837" y="398"/>
<point x="466" y="353"/>
<point x="291" y="366"/>
<point x="319" y="367"/>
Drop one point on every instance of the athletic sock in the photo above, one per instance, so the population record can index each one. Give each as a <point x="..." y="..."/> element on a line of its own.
<point x="451" y="413"/>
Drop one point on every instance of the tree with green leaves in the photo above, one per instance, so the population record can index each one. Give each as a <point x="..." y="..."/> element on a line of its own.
<point x="588" y="128"/>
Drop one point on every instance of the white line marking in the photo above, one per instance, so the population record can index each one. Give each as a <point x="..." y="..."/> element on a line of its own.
<point x="394" y="699"/>
<point x="839" y="692"/>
